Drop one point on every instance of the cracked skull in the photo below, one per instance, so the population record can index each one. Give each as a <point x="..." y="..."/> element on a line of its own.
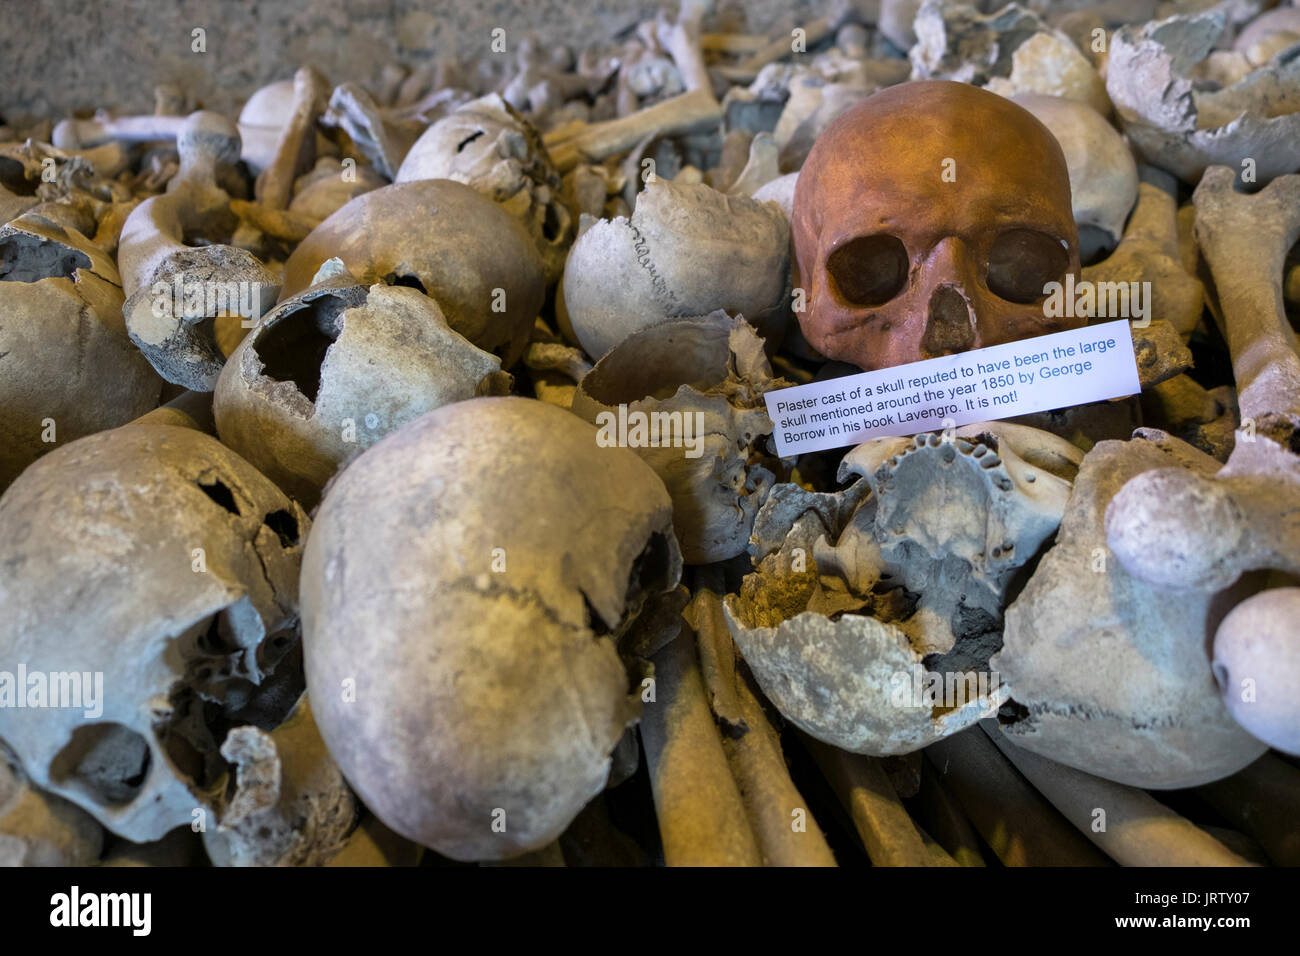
<point x="333" y="369"/>
<point x="488" y="146"/>
<point x="151" y="581"/>
<point x="927" y="221"/>
<point x="854" y="591"/>
<point x="697" y="385"/>
<point x="464" y="589"/>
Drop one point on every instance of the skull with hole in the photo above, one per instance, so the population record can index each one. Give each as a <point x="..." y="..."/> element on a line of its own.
<point x="67" y="368"/>
<point x="150" y="598"/>
<point x="694" y="388"/>
<point x="332" y="370"/>
<point x="464" y="589"/>
<point x="488" y="146"/>
<point x="445" y="239"/>
<point x="927" y="221"/>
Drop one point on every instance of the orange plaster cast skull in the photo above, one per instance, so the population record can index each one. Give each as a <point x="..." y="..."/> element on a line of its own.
<point x="927" y="221"/>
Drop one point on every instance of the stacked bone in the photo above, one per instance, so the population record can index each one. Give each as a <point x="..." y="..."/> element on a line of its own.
<point x="311" y="470"/>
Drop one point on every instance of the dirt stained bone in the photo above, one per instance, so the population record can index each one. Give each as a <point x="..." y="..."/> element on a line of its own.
<point x="99" y="540"/>
<point x="514" y="664"/>
<point x="912" y="576"/>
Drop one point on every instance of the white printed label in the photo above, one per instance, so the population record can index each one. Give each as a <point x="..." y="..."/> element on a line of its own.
<point x="1084" y="365"/>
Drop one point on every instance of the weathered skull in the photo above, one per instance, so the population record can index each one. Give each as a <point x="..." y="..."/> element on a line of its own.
<point x="488" y="146"/>
<point x="68" y="367"/>
<point x="927" y="221"/>
<point x="855" y="592"/>
<point x="444" y="238"/>
<point x="150" y="582"/>
<point x="696" y="387"/>
<point x="333" y="369"/>
<point x="463" y="592"/>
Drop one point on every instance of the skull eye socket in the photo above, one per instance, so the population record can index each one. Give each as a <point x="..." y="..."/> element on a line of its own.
<point x="869" y="270"/>
<point x="1022" y="261"/>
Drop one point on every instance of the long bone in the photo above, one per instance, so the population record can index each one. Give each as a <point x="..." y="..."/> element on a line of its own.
<point x="155" y="260"/>
<point x="815" y="31"/>
<point x="294" y="153"/>
<point x="1133" y="828"/>
<point x="1016" y="821"/>
<point x="681" y="40"/>
<point x="1171" y="527"/>
<point x="689" y="112"/>
<point x="1149" y="253"/>
<point x="888" y="834"/>
<point x="702" y="819"/>
<point x="88" y="133"/>
<point x="696" y="110"/>
<point x="1263" y="801"/>
<point x="751" y="743"/>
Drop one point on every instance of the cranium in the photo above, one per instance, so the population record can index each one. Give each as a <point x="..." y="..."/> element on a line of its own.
<point x="491" y="148"/>
<point x="465" y="579"/>
<point x="334" y="368"/>
<point x="927" y="221"/>
<point x="69" y="368"/>
<point x="156" y="558"/>
<point x="475" y="259"/>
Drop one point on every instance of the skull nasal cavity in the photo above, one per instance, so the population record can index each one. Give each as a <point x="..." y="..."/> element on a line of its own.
<point x="106" y="761"/>
<point x="949" y="327"/>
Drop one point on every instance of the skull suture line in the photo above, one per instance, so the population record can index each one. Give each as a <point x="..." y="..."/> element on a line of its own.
<point x="927" y="221"/>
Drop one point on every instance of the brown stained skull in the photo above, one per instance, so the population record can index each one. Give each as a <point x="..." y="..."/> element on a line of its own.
<point x="927" y="221"/>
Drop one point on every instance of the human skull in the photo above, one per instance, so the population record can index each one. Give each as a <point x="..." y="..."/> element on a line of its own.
<point x="463" y="590"/>
<point x="488" y="146"/>
<point x="927" y="221"/>
<point x="449" y="241"/>
<point x="686" y="250"/>
<point x="70" y="369"/>
<point x="333" y="369"/>
<point x="155" y="557"/>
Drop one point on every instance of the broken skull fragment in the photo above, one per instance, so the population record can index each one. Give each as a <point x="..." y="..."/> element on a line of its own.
<point x="903" y="572"/>
<point x="333" y="369"/>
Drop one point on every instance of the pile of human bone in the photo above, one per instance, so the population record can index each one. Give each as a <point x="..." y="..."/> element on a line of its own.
<point x="387" y="476"/>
